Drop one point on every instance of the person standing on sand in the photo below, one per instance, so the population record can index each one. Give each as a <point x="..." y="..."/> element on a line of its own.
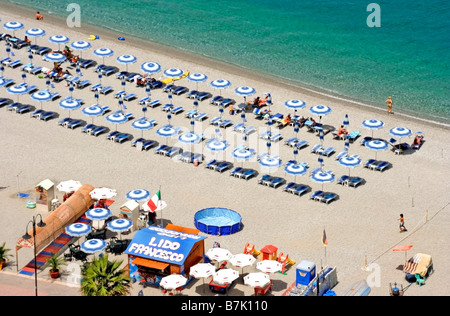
<point x="389" y="105"/>
<point x="402" y="223"/>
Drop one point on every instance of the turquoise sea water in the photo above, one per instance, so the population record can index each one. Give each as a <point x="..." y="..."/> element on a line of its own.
<point x="325" y="44"/>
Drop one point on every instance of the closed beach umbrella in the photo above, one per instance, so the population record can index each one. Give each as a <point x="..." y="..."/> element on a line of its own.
<point x="373" y="124"/>
<point x="58" y="39"/>
<point x="138" y="195"/>
<point x="320" y="110"/>
<point x="259" y="279"/>
<point x="150" y="67"/>
<point x="225" y="276"/>
<point x="126" y="60"/>
<point x="346" y="121"/>
<point x="78" y="229"/>
<point x="18" y="90"/>
<point x="13" y="26"/>
<point x="173" y="72"/>
<point x="349" y="162"/>
<point x="35" y="32"/>
<point x="269" y="266"/>
<point x="102" y="193"/>
<point x="220" y="84"/>
<point x="173" y="281"/>
<point x="93" y="245"/>
<point x="68" y="186"/>
<point x="70" y="104"/>
<point x="376" y="145"/>
<point x="42" y="96"/>
<point x="295" y="104"/>
<point x="55" y="57"/>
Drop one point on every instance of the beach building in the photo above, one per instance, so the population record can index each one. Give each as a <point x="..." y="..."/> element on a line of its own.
<point x="156" y="252"/>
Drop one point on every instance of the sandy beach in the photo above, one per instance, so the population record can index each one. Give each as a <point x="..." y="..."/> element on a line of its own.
<point x="361" y="225"/>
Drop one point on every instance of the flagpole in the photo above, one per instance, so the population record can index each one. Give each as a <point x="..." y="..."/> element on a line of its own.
<point x="159" y="205"/>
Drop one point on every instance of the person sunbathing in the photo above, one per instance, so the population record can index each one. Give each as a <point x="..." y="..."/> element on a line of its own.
<point x="286" y="120"/>
<point x="417" y="141"/>
<point x="26" y="39"/>
<point x="342" y="131"/>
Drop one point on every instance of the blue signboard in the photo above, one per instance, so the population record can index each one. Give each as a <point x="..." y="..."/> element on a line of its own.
<point x="163" y="245"/>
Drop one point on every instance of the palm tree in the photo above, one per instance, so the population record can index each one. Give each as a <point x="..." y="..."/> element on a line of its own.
<point x="102" y="277"/>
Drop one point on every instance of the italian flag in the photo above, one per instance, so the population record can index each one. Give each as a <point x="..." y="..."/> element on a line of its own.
<point x="155" y="203"/>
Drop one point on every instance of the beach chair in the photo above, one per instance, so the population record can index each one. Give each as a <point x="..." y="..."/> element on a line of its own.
<point x="200" y="116"/>
<point x="222" y="166"/>
<point x="342" y="154"/>
<point x="32" y="88"/>
<point x="112" y="135"/>
<point x="328" y="151"/>
<point x="215" y="121"/>
<point x="37" y="113"/>
<point x="343" y="180"/>
<point x="122" y="138"/>
<point x="276" y="182"/>
<point x="6" y="82"/>
<point x="235" y="172"/>
<point x="249" y="130"/>
<point x="83" y="83"/>
<point x="177" y="110"/>
<point x="108" y="70"/>
<point x="265" y="135"/>
<point x="301" y="189"/>
<point x="191" y="94"/>
<point x="289" y="187"/>
<point x="148" y="144"/>
<point x="216" y="100"/>
<point x="63" y="122"/>
<point x="191" y="113"/>
<point x="291" y="141"/>
<point x="355" y="181"/>
<point x="47" y="115"/>
<point x="327" y="197"/>
<point x="226" y="102"/>
<point x="35" y="70"/>
<point x="265" y="179"/>
<point x="225" y="123"/>
<point x="174" y="151"/>
<point x="353" y="135"/>
<point x="381" y="166"/>
<point x="5" y="101"/>
<point x="144" y="100"/>
<point x="316" y="195"/>
<point x="162" y="149"/>
<point x="129" y="96"/>
<point x="15" y="63"/>
<point x="98" y="130"/>
<point x="153" y="103"/>
<point x="106" y="90"/>
<point x="275" y="138"/>
<point x="119" y="94"/>
<point x="74" y="124"/>
<point x="167" y="107"/>
<point x="212" y="163"/>
<point x="87" y="63"/>
<point x="24" y="108"/>
<point x="317" y="148"/>
<point x="96" y="87"/>
<point x="247" y="174"/>
<point x="202" y="96"/>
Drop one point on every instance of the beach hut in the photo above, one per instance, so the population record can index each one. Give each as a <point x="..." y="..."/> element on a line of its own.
<point x="130" y="210"/>
<point x="45" y="193"/>
<point x="156" y="252"/>
<point x="268" y="252"/>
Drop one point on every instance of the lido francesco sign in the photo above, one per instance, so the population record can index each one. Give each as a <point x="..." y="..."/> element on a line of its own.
<point x="162" y="244"/>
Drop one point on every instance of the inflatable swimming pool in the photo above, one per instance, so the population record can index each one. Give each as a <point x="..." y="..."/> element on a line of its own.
<point x="218" y="221"/>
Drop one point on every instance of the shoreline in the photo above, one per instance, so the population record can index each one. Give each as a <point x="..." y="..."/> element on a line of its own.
<point x="216" y="64"/>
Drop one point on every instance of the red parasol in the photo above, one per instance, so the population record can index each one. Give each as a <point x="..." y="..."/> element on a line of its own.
<point x="404" y="248"/>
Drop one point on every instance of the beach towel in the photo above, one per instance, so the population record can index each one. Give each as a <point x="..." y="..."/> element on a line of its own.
<point x="418" y="264"/>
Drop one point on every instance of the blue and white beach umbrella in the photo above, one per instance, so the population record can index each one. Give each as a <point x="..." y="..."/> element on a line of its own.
<point x="55" y="57"/>
<point x="242" y="153"/>
<point x="119" y="225"/>
<point x="93" y="110"/>
<point x="173" y="72"/>
<point x="78" y="229"/>
<point x="220" y="83"/>
<point x="138" y="195"/>
<point x="103" y="52"/>
<point x="190" y="138"/>
<point x="373" y="124"/>
<point x="93" y="245"/>
<point x="58" y="39"/>
<point x="376" y="145"/>
<point x="13" y="26"/>
<point x="81" y="45"/>
<point x="98" y="213"/>
<point x="42" y="96"/>
<point x="167" y="131"/>
<point x="117" y="118"/>
<point x="18" y="90"/>
<point x="126" y="60"/>
<point x="270" y="162"/>
<point x="400" y="132"/>
<point x="295" y="104"/>
<point x="150" y="67"/>
<point x="350" y="162"/>
<point x="70" y="104"/>
<point x="142" y="124"/>
<point x="320" y="110"/>
<point x="322" y="177"/>
<point x="35" y="32"/>
<point x="244" y="91"/>
<point x="295" y="169"/>
<point x="216" y="145"/>
<point x="197" y="77"/>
